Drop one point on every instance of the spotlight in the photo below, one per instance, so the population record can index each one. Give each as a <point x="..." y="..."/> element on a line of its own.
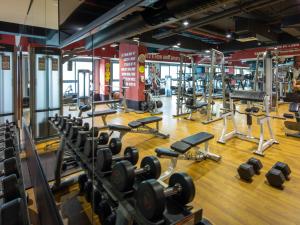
<point x="259" y="43"/>
<point x="136" y="39"/>
<point x="207" y="51"/>
<point x="175" y="46"/>
<point x="178" y="44"/>
<point x="103" y="48"/>
<point x="114" y="45"/>
<point x="185" y="23"/>
<point x="228" y="35"/>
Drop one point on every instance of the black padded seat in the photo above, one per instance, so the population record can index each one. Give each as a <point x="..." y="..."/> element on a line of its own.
<point x="198" y="138"/>
<point x="151" y="119"/>
<point x="101" y="113"/>
<point x="180" y="147"/>
<point x="116" y="127"/>
<point x="165" y="152"/>
<point x="198" y="105"/>
<point x="135" y="124"/>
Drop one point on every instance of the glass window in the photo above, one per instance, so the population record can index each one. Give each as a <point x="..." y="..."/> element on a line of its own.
<point x="165" y="71"/>
<point x="174" y="71"/>
<point x="116" y="71"/>
<point x="68" y="74"/>
<point x="115" y="85"/>
<point x="146" y="72"/>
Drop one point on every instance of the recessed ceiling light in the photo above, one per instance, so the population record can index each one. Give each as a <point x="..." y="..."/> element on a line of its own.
<point x="275" y="48"/>
<point x="178" y="44"/>
<point x="258" y="43"/>
<point x="175" y="46"/>
<point x="228" y="35"/>
<point x="207" y="51"/>
<point x="185" y="23"/>
<point x="103" y="48"/>
<point x="136" y="39"/>
<point x="114" y="45"/>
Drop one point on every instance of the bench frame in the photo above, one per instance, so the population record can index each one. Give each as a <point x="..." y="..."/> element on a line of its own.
<point x="199" y="154"/>
<point x="263" y="143"/>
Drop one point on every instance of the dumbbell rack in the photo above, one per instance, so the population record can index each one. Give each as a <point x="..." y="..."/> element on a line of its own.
<point x="124" y="203"/>
<point x="16" y="144"/>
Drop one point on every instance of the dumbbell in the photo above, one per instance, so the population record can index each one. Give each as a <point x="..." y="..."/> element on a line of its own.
<point x="247" y="170"/>
<point x="73" y="133"/>
<point x="105" y="158"/>
<point x="103" y="138"/>
<point x="13" y="213"/>
<point x="74" y="122"/>
<point x="103" y="210"/>
<point x="10" y="167"/>
<point x="82" y="179"/>
<point x="7" y="143"/>
<point x="63" y="122"/>
<point x="10" y="188"/>
<point x="91" y="146"/>
<point x="151" y="195"/>
<point x="278" y="174"/>
<point x="70" y="164"/>
<point x="88" y="188"/>
<point x="124" y="173"/>
<point x="8" y="153"/>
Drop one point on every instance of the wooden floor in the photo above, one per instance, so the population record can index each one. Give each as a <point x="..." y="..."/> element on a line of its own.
<point x="224" y="198"/>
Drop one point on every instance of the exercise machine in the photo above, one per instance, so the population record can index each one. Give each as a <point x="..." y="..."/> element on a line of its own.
<point x="293" y="125"/>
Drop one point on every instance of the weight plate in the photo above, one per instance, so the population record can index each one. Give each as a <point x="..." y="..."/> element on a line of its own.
<point x="110" y="220"/>
<point x="94" y="131"/>
<point x="115" y="145"/>
<point x="150" y="199"/>
<point x="187" y="193"/>
<point x="159" y="104"/>
<point x="97" y="197"/>
<point x="131" y="154"/>
<point x="104" y="160"/>
<point x="154" y="167"/>
<point x="103" y="138"/>
<point x="123" y="175"/>
<point x="103" y="210"/>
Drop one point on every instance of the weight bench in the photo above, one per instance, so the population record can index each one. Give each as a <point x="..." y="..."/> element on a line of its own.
<point x="139" y="126"/>
<point x="194" y="108"/>
<point x="181" y="150"/>
<point x="103" y="114"/>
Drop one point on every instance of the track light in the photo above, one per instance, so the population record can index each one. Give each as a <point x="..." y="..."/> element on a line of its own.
<point x="185" y="23"/>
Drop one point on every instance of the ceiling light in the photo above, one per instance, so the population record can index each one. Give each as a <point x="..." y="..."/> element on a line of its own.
<point x="228" y="35"/>
<point x="114" y="45"/>
<point x="207" y="51"/>
<point x="103" y="48"/>
<point x="258" y="43"/>
<point x="185" y="23"/>
<point x="136" y="39"/>
<point x="175" y="46"/>
<point x="275" y="48"/>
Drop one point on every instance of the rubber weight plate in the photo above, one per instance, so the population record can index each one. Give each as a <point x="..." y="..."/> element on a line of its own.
<point x="104" y="160"/>
<point x="103" y="138"/>
<point x="115" y="145"/>
<point x="150" y="199"/>
<point x="97" y="197"/>
<point x="123" y="175"/>
<point x="82" y="179"/>
<point x="103" y="210"/>
<point x="88" y="188"/>
<point x="187" y="193"/>
<point x="132" y="153"/>
<point x="159" y="104"/>
<point x="154" y="167"/>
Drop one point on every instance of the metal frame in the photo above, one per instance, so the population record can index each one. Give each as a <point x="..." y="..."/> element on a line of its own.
<point x="261" y="121"/>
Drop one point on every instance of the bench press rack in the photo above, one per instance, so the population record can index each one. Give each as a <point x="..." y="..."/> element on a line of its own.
<point x="181" y="150"/>
<point x="249" y="96"/>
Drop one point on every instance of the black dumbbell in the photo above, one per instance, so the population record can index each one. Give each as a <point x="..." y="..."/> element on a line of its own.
<point x="247" y="170"/>
<point x="69" y="165"/>
<point x="82" y="179"/>
<point x="111" y="219"/>
<point x="88" y="189"/>
<point x="124" y="173"/>
<point x="74" y="122"/>
<point x="91" y="146"/>
<point x="105" y="158"/>
<point x="151" y="195"/>
<point x="10" y="188"/>
<point x="278" y="174"/>
<point x="103" y="138"/>
<point x="10" y="167"/>
<point x="97" y="198"/>
<point x="7" y="143"/>
<point x="103" y="210"/>
<point x="8" y="153"/>
<point x="73" y="133"/>
<point x="13" y="213"/>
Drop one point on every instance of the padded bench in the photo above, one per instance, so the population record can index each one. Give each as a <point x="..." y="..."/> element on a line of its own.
<point x="139" y="126"/>
<point x="103" y="114"/>
<point x="198" y="105"/>
<point x="180" y="150"/>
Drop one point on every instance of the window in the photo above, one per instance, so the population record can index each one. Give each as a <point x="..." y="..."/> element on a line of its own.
<point x="115" y="76"/>
<point x="146" y="71"/>
<point x="165" y="71"/>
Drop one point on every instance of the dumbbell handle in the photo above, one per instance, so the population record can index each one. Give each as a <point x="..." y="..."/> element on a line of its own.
<point x="169" y="191"/>
<point x="117" y="158"/>
<point x="142" y="170"/>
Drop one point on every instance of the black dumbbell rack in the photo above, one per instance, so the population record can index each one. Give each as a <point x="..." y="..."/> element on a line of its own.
<point x="15" y="134"/>
<point x="124" y="203"/>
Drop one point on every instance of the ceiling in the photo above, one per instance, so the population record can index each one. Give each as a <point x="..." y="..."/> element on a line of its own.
<point x="42" y="13"/>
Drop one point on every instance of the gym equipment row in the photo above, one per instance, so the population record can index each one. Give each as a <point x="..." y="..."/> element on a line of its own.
<point x="13" y="206"/>
<point x="128" y="194"/>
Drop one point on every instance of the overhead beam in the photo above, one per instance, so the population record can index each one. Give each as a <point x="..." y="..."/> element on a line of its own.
<point x="233" y="11"/>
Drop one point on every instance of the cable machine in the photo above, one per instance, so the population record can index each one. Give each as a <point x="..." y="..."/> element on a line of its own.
<point x="45" y="90"/>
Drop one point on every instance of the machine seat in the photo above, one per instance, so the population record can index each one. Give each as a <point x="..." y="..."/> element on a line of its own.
<point x="135" y="124"/>
<point x="198" y="138"/>
<point x="180" y="147"/>
<point x="165" y="152"/>
<point x="198" y="105"/>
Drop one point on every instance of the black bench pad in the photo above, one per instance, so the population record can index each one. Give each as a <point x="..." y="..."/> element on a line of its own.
<point x="165" y="152"/>
<point x="198" y="105"/>
<point x="102" y="113"/>
<point x="198" y="138"/>
<point x="106" y="102"/>
<point x="135" y="124"/>
<point x="117" y="127"/>
<point x="180" y="147"/>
